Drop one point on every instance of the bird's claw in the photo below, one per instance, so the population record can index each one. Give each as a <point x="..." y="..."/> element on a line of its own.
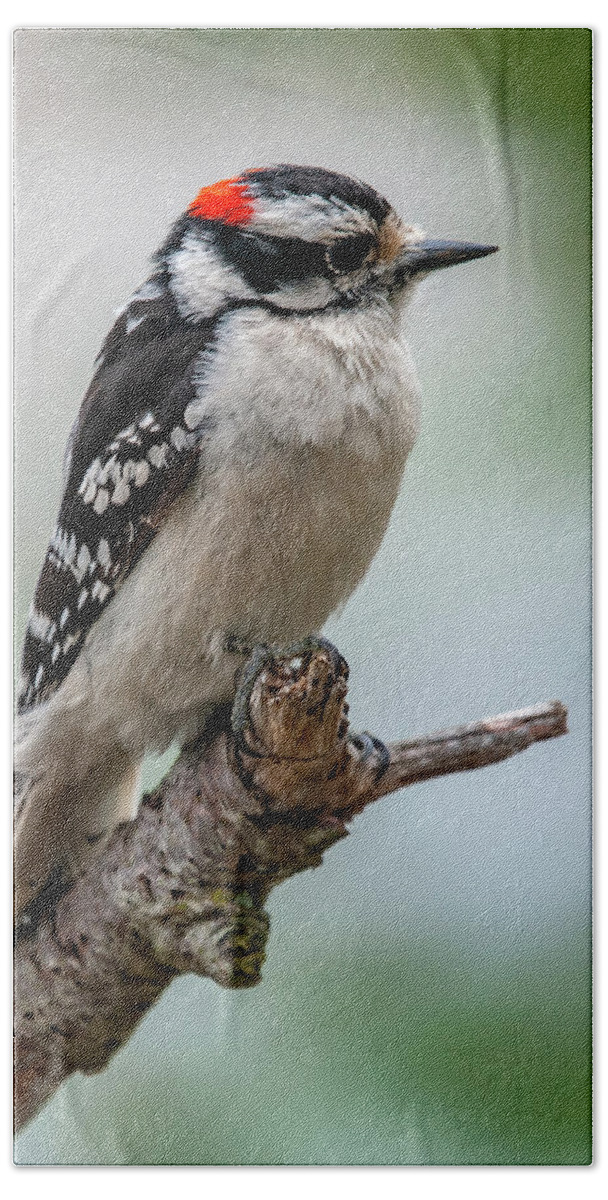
<point x="368" y="746"/>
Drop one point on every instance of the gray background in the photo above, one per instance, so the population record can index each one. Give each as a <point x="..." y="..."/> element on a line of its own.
<point x="426" y="992"/>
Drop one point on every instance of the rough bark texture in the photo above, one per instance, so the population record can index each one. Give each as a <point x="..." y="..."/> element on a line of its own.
<point x="182" y="888"/>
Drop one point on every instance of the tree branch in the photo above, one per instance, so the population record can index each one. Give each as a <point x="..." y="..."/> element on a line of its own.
<point x="182" y="888"/>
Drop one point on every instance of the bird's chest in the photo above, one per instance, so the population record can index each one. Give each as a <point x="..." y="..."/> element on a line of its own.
<point x="326" y="381"/>
<point x="307" y="441"/>
<point x="314" y="421"/>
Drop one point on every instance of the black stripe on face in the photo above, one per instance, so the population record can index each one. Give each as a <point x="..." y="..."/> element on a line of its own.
<point x="267" y="262"/>
<point x="349" y="253"/>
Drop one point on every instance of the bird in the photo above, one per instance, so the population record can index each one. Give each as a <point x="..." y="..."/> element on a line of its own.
<point x="227" y="481"/>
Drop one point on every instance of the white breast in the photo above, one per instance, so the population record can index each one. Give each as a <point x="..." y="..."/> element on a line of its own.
<point x="313" y="380"/>
<point x="314" y="419"/>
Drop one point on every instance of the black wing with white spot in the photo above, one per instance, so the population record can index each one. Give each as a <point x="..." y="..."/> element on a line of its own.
<point x="133" y="451"/>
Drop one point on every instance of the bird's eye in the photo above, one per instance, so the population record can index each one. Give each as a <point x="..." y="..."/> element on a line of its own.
<point x="268" y="262"/>
<point x="349" y="253"/>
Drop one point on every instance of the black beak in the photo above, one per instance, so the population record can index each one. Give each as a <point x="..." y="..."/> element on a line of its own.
<point x="429" y="256"/>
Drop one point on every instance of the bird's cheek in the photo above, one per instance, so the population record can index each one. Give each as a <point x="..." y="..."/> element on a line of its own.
<point x="312" y="293"/>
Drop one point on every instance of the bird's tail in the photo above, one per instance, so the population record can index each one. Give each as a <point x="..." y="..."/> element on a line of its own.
<point x="59" y="826"/>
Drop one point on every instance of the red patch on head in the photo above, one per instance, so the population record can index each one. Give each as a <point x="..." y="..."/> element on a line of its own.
<point x="229" y="201"/>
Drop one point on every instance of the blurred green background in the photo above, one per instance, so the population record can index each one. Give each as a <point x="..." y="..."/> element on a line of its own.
<point x="426" y="996"/>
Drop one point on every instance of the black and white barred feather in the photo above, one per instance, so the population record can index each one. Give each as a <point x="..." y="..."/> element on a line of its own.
<point x="134" y="448"/>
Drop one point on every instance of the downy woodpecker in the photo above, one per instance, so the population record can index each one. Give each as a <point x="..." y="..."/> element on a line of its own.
<point x="228" y="480"/>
